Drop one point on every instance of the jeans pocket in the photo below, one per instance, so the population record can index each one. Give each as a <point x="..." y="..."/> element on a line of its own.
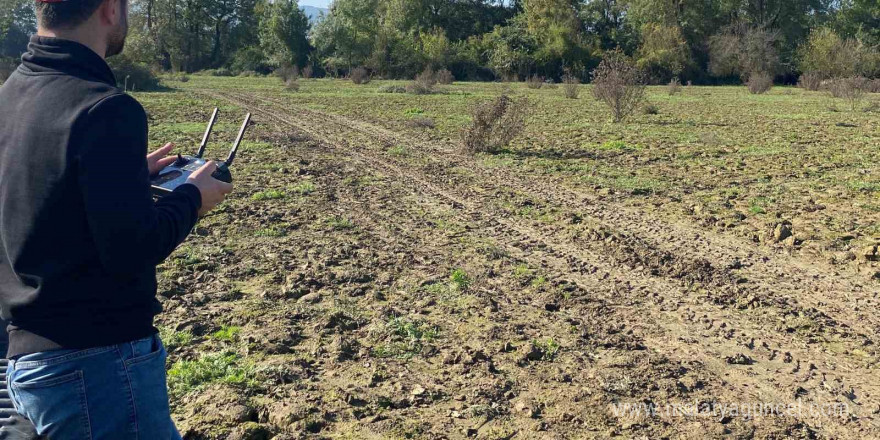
<point x="61" y="399"/>
<point x="150" y="394"/>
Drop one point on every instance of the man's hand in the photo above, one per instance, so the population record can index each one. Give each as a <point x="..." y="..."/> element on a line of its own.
<point x="213" y="191"/>
<point x="159" y="159"/>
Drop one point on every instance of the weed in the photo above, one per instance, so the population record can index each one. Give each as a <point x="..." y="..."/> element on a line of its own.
<point x="445" y="77"/>
<point x="226" y="334"/>
<point x="391" y="88"/>
<point x="651" y="109"/>
<point x="619" y="84"/>
<point x="271" y="194"/>
<point x="339" y="223"/>
<point x="421" y="123"/>
<point x="571" y="86"/>
<point x="674" y="87"/>
<point x="173" y="339"/>
<point x="535" y="82"/>
<point x="271" y="232"/>
<point x="495" y="125"/>
<point x="548" y="348"/>
<point x="459" y="280"/>
<point x="360" y="76"/>
<point x="303" y="188"/>
<point x="308" y="72"/>
<point x="760" y="83"/>
<point x="423" y="84"/>
<point x="226" y="368"/>
<point x="811" y="81"/>
<point x="292" y="86"/>
<point x="408" y="337"/>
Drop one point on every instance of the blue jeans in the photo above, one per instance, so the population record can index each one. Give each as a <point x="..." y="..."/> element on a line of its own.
<point x="115" y="392"/>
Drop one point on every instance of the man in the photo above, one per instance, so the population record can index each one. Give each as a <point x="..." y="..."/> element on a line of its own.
<point x="80" y="235"/>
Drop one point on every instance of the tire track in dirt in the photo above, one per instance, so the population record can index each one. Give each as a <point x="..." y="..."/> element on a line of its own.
<point x="645" y="306"/>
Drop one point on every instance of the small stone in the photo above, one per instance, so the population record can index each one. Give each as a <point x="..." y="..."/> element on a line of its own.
<point x="313" y="297"/>
<point x="418" y="390"/>
<point x="870" y="253"/>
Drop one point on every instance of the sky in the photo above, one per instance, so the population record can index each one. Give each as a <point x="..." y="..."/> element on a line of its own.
<point x="317" y="3"/>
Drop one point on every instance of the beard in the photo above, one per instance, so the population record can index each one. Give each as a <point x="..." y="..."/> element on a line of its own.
<point x="116" y="39"/>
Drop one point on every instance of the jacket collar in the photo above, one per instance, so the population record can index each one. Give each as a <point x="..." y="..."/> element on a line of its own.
<point x="54" y="55"/>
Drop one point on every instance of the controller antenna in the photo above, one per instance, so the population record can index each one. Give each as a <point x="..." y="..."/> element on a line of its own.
<point x="207" y="134"/>
<point x="247" y="120"/>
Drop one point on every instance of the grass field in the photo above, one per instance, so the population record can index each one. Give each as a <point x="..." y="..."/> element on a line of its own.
<point x="367" y="279"/>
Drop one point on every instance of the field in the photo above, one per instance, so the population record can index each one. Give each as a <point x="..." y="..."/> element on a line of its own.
<point x="369" y="280"/>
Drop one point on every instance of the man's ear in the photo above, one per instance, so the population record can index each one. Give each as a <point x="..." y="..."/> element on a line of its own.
<point x="108" y="12"/>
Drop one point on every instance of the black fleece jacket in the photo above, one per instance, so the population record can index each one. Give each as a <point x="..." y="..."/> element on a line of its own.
<point x="80" y="235"/>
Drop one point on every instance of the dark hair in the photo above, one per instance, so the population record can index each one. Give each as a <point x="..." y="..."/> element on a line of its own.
<point x="67" y="14"/>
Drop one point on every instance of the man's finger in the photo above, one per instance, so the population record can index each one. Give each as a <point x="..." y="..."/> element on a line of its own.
<point x="162" y="152"/>
<point x="209" y="168"/>
<point x="165" y="161"/>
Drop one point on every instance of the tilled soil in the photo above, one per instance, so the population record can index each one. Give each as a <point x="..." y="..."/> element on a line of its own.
<point x="420" y="294"/>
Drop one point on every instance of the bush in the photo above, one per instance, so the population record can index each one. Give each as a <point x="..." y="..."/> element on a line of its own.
<point x="445" y="77"/>
<point x="811" y="81"/>
<point x="391" y="88"/>
<point x="133" y="76"/>
<point x="222" y="71"/>
<point x="535" y="82"/>
<point x="287" y="73"/>
<point x="619" y="84"/>
<point x="292" y="85"/>
<point x="760" y="83"/>
<point x="360" y="76"/>
<point x="495" y="124"/>
<point x="423" y="84"/>
<point x="874" y="86"/>
<point x="827" y="53"/>
<point x="852" y="90"/>
<point x="571" y="86"/>
<point x="308" y="72"/>
<point x="651" y="109"/>
<point x="674" y="87"/>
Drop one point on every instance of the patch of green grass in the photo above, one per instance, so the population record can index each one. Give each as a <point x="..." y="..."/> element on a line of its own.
<point x="413" y="111"/>
<point x="226" y="334"/>
<point x="271" y="194"/>
<point x="173" y="339"/>
<point x="408" y="338"/>
<point x="303" y="188"/>
<point x="757" y="205"/>
<point x="226" y="368"/>
<point x="398" y="150"/>
<point x="339" y="223"/>
<point x="459" y="280"/>
<point x="271" y="232"/>
<point x="617" y="146"/>
<point x="549" y="347"/>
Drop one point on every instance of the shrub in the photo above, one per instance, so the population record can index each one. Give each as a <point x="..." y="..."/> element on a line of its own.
<point x="874" y="86"/>
<point x="674" y="87"/>
<point x="308" y="72"/>
<point x="133" y="76"/>
<point x="651" y="109"/>
<point x="535" y="82"/>
<point x="423" y="84"/>
<point x="760" y="83"/>
<point x="292" y="85"/>
<point x="360" y="75"/>
<point x="832" y="56"/>
<point x="852" y="90"/>
<point x="495" y="124"/>
<point x="811" y="81"/>
<point x="619" y="84"/>
<point x="222" y="71"/>
<point x="571" y="86"/>
<point x="287" y="73"/>
<point x="391" y="88"/>
<point x="445" y="77"/>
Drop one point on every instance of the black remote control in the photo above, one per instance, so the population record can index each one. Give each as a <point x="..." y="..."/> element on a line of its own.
<point x="177" y="173"/>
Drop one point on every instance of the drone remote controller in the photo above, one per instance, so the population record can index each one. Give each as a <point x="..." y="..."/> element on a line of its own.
<point x="178" y="172"/>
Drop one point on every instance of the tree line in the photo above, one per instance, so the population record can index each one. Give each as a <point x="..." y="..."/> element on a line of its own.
<point x="704" y="41"/>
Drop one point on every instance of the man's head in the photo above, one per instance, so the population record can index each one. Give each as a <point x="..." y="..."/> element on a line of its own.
<point x="98" y="21"/>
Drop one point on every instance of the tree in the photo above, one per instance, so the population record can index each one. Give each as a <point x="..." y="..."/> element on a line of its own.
<point x="284" y="34"/>
<point x="745" y="50"/>
<point x="830" y="56"/>
<point x="663" y="54"/>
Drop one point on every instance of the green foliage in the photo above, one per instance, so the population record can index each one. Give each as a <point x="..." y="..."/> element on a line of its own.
<point x="226" y="368"/>
<point x="664" y="53"/>
<point x="406" y="338"/>
<point x="133" y="75"/>
<point x="459" y="280"/>
<point x="829" y="55"/>
<point x="271" y="194"/>
<point x="283" y="30"/>
<point x="226" y="334"/>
